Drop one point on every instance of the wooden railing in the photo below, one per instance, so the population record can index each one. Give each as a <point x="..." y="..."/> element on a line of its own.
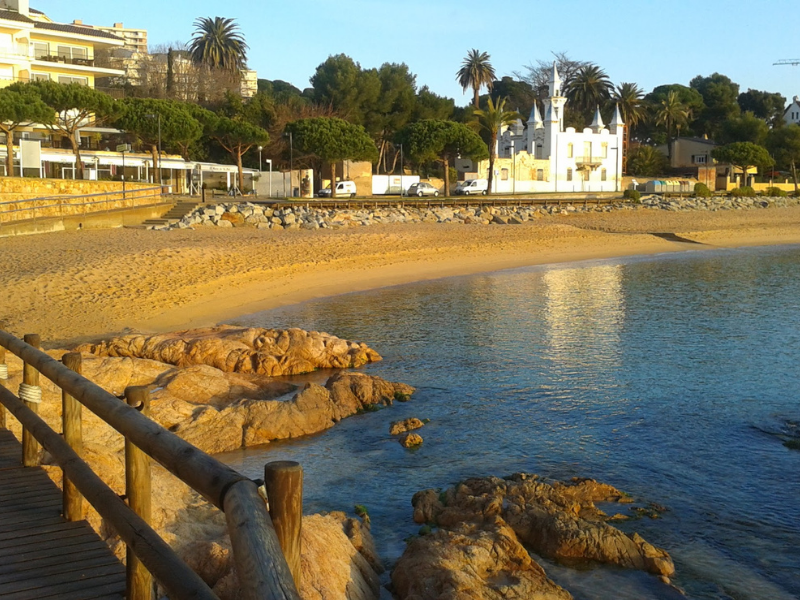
<point x="257" y="549"/>
<point x="64" y="206"/>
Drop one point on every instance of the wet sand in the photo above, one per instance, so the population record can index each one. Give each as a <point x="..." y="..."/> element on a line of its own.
<point x="71" y="286"/>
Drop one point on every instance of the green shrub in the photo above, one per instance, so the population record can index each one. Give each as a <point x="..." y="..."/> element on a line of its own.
<point x="701" y="190"/>
<point x="775" y="192"/>
<point x="632" y="195"/>
<point x="743" y="192"/>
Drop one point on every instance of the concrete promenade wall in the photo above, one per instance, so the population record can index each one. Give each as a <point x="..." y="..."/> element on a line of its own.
<point x="28" y="198"/>
<point x="104" y="220"/>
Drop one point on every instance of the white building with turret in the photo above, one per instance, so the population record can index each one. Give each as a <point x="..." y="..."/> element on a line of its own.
<point x="547" y="157"/>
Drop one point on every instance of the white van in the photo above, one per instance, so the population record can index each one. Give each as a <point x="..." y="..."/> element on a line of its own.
<point x="343" y="188"/>
<point x="472" y="186"/>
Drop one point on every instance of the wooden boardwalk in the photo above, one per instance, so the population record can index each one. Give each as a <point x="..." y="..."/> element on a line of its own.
<point x="41" y="554"/>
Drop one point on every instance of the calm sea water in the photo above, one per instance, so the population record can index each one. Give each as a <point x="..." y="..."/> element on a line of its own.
<point x="661" y="376"/>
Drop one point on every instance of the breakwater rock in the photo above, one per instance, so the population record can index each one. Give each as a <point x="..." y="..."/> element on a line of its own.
<point x="271" y="352"/>
<point x="481" y="527"/>
<point x="232" y="214"/>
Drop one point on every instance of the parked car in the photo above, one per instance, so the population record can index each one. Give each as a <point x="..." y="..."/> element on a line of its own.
<point x="343" y="188"/>
<point x="422" y="188"/>
<point x="472" y="186"/>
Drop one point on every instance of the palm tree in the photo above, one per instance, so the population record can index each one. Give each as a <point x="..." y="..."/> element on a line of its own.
<point x="217" y="43"/>
<point x="490" y="120"/>
<point x="629" y="98"/>
<point x="671" y="111"/>
<point x="476" y="71"/>
<point x="589" y="89"/>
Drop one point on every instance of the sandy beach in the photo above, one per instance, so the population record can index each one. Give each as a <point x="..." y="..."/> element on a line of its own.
<point x="83" y="285"/>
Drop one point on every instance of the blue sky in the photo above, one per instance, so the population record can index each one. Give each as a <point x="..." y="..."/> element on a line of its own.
<point x="646" y="41"/>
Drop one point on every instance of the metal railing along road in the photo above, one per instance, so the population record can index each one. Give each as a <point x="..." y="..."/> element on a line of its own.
<point x="64" y="206"/>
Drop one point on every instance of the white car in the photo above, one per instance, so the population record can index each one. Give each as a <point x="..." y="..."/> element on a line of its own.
<point x="422" y="188"/>
<point x="343" y="188"/>
<point x="472" y="186"/>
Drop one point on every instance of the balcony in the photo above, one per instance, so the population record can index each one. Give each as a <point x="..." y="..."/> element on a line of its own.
<point x="66" y="60"/>
<point x="588" y="162"/>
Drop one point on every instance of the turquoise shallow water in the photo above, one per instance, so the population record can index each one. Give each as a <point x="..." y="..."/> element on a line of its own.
<point x="658" y="375"/>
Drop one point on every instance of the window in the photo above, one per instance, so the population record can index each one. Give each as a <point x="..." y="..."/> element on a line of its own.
<point x="40" y="49"/>
<point x="504" y="174"/>
<point x="539" y="174"/>
<point x="570" y="152"/>
<point x="80" y="80"/>
<point x="40" y="76"/>
<point x="73" y="52"/>
<point x="605" y="151"/>
<point x="538" y="151"/>
<point x="587" y="150"/>
<point x="603" y="175"/>
<point x="699" y="159"/>
<point x="569" y="174"/>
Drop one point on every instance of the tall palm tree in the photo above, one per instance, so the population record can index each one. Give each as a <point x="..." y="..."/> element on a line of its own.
<point x="476" y="71"/>
<point x="630" y="100"/>
<point x="218" y="43"/>
<point x="671" y="111"/>
<point x="589" y="88"/>
<point x="490" y="120"/>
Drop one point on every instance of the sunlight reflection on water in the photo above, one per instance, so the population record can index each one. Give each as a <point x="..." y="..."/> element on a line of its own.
<point x="650" y="374"/>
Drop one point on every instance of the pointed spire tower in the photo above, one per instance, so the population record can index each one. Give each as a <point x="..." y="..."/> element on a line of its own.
<point x="616" y="123"/>
<point x="535" y="120"/>
<point x="554" y="107"/>
<point x="597" y="125"/>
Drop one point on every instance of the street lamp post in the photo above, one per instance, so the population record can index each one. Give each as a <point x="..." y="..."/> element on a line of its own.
<point x="291" y="162"/>
<point x="402" y="172"/>
<point x="269" y="160"/>
<point x="260" y="148"/>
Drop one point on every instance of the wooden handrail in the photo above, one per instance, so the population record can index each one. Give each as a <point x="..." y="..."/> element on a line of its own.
<point x="262" y="568"/>
<point x="197" y="469"/>
<point x="179" y="580"/>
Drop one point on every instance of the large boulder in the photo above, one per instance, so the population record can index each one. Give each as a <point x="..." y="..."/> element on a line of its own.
<point x="271" y="352"/>
<point x="471" y="561"/>
<point x="557" y="520"/>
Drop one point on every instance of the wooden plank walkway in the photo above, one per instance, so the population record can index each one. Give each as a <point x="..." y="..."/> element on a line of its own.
<point x="41" y="554"/>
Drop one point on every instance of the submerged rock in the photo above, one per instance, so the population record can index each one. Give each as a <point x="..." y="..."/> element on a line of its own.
<point x="271" y="352"/>
<point x="556" y="520"/>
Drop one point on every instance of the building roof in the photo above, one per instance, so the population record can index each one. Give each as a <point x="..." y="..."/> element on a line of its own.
<point x="697" y="140"/>
<point x="12" y="15"/>
<point x="36" y="12"/>
<point x="77" y="29"/>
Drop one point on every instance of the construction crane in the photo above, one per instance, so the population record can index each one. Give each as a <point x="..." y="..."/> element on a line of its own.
<point x="787" y="61"/>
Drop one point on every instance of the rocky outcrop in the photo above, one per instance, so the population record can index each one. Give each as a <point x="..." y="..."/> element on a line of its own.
<point x="398" y="427"/>
<point x="479" y="562"/>
<point x="271" y="352"/>
<point x="337" y="560"/>
<point x="410" y="440"/>
<point x="556" y="520"/>
<point x="251" y="422"/>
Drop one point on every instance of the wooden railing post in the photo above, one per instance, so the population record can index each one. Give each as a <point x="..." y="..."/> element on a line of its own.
<point x="71" y="424"/>
<point x="284" y="483"/>
<point x="3" y="378"/>
<point x="137" y="489"/>
<point x="31" y="393"/>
